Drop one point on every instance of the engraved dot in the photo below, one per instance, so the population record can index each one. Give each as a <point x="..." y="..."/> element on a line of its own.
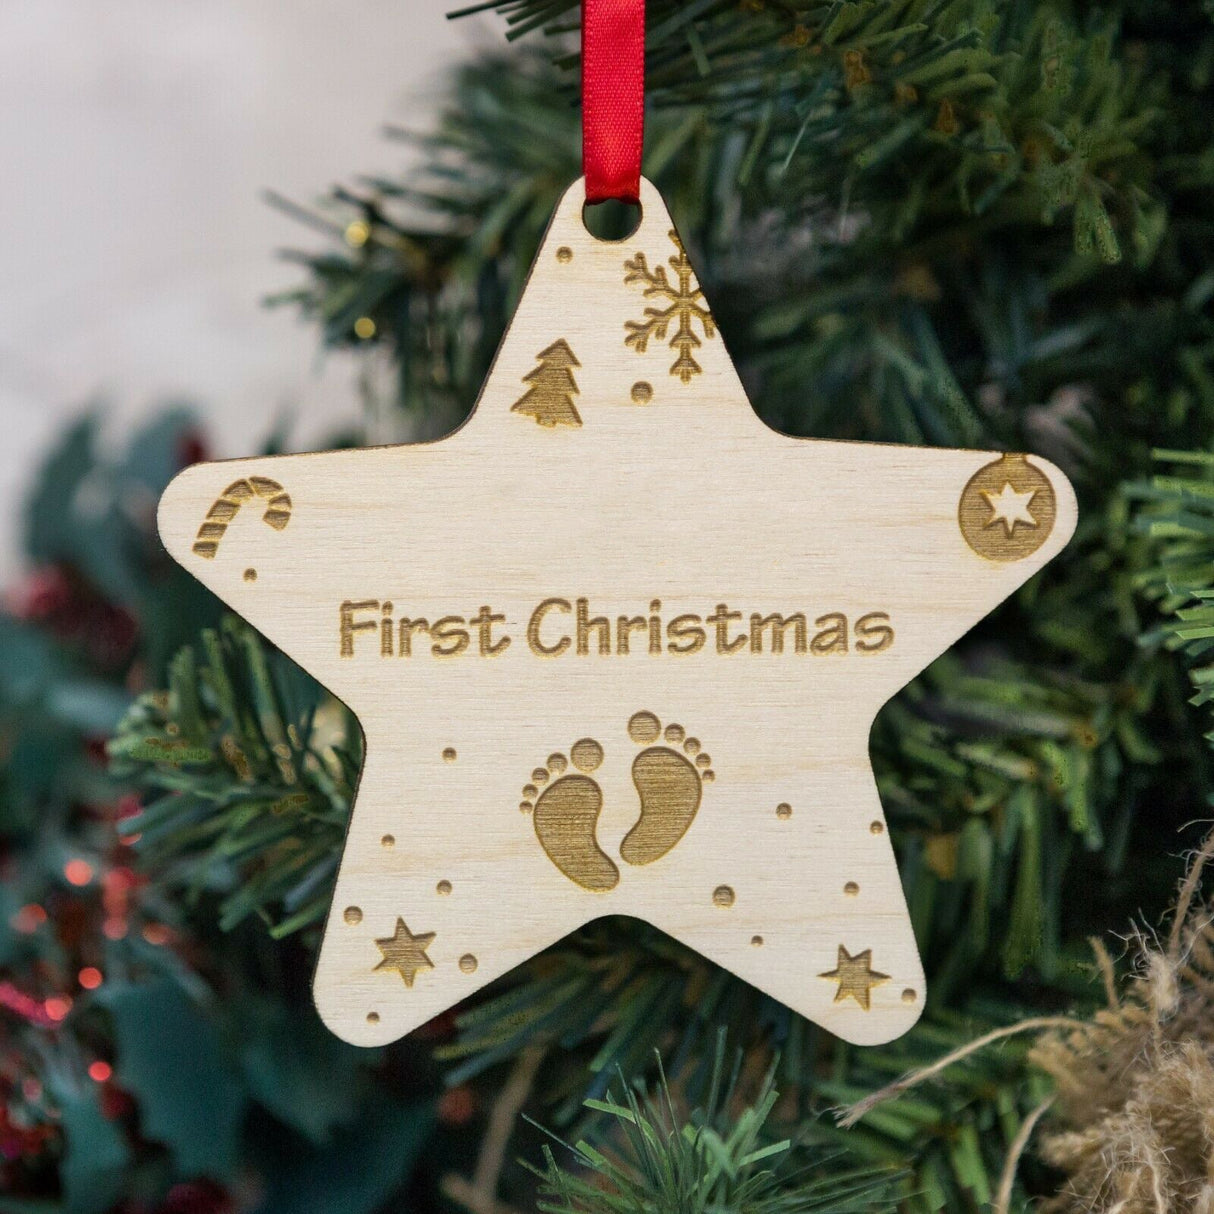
<point x="644" y="727"/>
<point x="388" y="841"/>
<point x="851" y="889"/>
<point x="250" y="575"/>
<point x="587" y="754"/>
<point x="467" y="963"/>
<point x="702" y="760"/>
<point x="757" y="941"/>
<point x="372" y="1017"/>
<point x="564" y="254"/>
<point x="722" y="896"/>
<point x="692" y="746"/>
<point x="353" y="915"/>
<point x="540" y="775"/>
<point x="524" y="807"/>
<point x="784" y="810"/>
<point x="529" y="790"/>
<point x="909" y="995"/>
<point x="876" y="828"/>
<point x="674" y="733"/>
<point x="449" y="755"/>
<point x="556" y="763"/>
<point x="642" y="393"/>
<point x="708" y="777"/>
<point x="443" y="887"/>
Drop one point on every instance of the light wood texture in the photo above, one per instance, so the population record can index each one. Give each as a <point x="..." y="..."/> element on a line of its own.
<point x="685" y="759"/>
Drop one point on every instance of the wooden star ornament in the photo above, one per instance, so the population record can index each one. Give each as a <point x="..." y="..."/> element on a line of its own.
<point x="616" y="647"/>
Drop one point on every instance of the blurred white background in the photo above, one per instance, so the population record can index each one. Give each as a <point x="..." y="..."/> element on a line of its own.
<point x="136" y="137"/>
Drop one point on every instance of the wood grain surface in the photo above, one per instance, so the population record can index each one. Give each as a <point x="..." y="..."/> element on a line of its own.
<point x="617" y="647"/>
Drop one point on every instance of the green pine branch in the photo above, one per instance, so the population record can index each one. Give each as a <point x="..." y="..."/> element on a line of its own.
<point x="1176" y="511"/>
<point x="248" y="769"/>
<point x="644" y="1155"/>
<point x="1016" y="113"/>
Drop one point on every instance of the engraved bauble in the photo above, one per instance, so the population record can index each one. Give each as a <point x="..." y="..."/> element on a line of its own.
<point x="1007" y="509"/>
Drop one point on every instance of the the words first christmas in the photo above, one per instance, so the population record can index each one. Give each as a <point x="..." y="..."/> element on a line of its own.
<point x="557" y="626"/>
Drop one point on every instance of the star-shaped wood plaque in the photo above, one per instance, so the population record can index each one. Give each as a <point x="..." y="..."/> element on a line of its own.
<point x="616" y="647"/>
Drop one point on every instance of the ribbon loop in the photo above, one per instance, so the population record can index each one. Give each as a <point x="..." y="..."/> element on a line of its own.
<point x="613" y="98"/>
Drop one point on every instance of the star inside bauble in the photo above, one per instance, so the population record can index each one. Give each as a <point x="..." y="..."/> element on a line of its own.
<point x="1009" y="507"/>
<point x="405" y="952"/>
<point x="855" y="976"/>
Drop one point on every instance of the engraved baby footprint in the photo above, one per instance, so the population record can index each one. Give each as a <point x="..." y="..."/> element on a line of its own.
<point x="670" y="784"/>
<point x="566" y="815"/>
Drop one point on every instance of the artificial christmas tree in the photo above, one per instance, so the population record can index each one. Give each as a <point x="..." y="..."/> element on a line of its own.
<point x="915" y="223"/>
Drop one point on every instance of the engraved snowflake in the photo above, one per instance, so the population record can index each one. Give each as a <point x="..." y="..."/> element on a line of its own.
<point x="685" y="302"/>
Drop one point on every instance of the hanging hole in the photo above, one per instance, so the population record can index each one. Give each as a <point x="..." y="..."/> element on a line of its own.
<point x="611" y="220"/>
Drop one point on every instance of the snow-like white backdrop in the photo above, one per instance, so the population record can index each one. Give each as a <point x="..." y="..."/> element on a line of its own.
<point x="136" y="137"/>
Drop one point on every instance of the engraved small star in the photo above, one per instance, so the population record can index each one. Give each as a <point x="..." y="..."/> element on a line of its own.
<point x="404" y="952"/>
<point x="1009" y="507"/>
<point x="855" y="976"/>
<point x="616" y="648"/>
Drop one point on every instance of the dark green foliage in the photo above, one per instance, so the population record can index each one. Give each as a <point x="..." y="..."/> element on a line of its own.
<point x="254" y="769"/>
<point x="938" y="221"/>
<point x="90" y="517"/>
<point x="214" y="1053"/>
<point x="650" y="1160"/>
<point x="914" y="110"/>
<point x="1177" y="512"/>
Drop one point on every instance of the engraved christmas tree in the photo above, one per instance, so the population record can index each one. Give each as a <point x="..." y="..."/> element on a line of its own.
<point x="550" y="398"/>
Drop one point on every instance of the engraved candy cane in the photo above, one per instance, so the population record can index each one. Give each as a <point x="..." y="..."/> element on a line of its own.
<point x="224" y="508"/>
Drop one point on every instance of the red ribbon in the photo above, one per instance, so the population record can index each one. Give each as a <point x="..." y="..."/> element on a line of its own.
<point x="613" y="97"/>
